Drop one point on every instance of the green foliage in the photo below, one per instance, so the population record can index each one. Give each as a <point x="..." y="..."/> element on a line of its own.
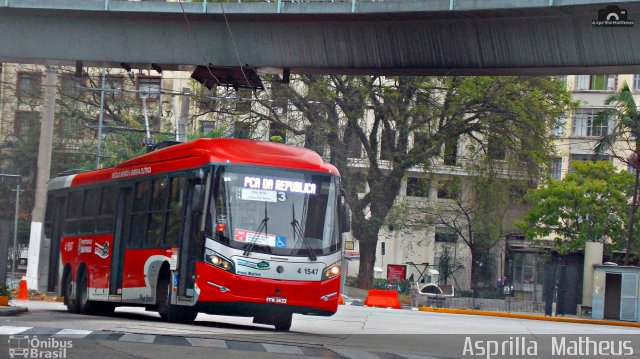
<point x="4" y="291"/>
<point x="589" y="204"/>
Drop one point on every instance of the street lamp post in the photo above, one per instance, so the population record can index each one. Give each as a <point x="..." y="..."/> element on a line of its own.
<point x="15" y="222"/>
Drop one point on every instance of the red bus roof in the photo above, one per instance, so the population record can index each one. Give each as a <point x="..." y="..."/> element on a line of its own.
<point x="210" y="150"/>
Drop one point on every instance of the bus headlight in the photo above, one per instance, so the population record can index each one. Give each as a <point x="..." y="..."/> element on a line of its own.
<point x="219" y="261"/>
<point x="331" y="271"/>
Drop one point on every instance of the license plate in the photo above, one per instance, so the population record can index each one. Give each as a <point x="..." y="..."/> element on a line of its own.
<point x="277" y="300"/>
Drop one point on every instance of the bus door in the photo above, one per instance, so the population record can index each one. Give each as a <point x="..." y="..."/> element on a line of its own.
<point x="122" y="222"/>
<point x="191" y="239"/>
<point x="54" y="218"/>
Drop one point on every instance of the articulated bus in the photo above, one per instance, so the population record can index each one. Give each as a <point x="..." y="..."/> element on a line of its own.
<point x="218" y="226"/>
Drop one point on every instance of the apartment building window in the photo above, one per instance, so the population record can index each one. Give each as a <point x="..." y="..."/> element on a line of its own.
<point x="150" y="87"/>
<point x="29" y="85"/>
<point x="69" y="85"/>
<point x="447" y="189"/>
<point x="556" y="168"/>
<point x="596" y="82"/>
<point x="586" y="157"/>
<point x="446" y="235"/>
<point x="25" y="122"/>
<point x="558" y="127"/>
<point x="586" y="125"/>
<point x="636" y="82"/>
<point x="243" y="104"/>
<point x="450" y="157"/>
<point x="387" y="144"/>
<point x="418" y="187"/>
<point x="277" y="132"/>
<point x="242" y="130"/>
<point x="420" y="139"/>
<point x="496" y="149"/>
<point x="114" y="82"/>
<point x="207" y="126"/>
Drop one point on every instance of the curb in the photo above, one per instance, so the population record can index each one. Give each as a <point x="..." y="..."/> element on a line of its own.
<point x="530" y="317"/>
<point x="12" y="311"/>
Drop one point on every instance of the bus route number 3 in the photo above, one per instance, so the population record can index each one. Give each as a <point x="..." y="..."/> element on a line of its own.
<point x="308" y="271"/>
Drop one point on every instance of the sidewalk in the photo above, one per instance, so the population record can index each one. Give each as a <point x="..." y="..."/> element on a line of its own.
<point x="531" y="317"/>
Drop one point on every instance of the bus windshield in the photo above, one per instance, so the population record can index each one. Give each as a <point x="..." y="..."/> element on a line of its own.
<point x="275" y="211"/>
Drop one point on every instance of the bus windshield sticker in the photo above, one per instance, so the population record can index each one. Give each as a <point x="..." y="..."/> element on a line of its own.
<point x="281" y="242"/>
<point x="242" y="235"/>
<point x="279" y="185"/>
<point x="262" y="265"/>
<point x="249" y="194"/>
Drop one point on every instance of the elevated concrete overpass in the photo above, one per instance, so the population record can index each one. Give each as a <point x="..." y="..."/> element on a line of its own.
<point x="385" y="37"/>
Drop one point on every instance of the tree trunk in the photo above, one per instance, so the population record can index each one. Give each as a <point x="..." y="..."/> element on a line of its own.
<point x="367" y="263"/>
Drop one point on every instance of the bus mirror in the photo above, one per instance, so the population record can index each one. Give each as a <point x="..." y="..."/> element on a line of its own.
<point x="345" y="223"/>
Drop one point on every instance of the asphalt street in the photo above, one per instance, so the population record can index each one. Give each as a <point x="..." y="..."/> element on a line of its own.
<point x="354" y="332"/>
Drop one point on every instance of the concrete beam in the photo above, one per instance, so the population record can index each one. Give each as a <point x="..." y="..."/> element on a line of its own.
<point x="390" y="38"/>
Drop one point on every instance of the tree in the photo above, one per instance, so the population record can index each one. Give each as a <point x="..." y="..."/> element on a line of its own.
<point x="379" y="118"/>
<point x="587" y="205"/>
<point x="627" y="128"/>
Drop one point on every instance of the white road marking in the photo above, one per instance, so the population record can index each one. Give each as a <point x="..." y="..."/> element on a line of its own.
<point x="8" y="330"/>
<point x="73" y="333"/>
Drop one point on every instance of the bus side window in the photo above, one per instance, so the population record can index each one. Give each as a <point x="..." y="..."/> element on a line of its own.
<point x="74" y="210"/>
<point x="138" y="215"/>
<point x="157" y="212"/>
<point x="174" y="215"/>
<point x="104" y="224"/>
<point x="91" y="205"/>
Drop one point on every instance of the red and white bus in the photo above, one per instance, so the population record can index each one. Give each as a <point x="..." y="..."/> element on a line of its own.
<point x="219" y="226"/>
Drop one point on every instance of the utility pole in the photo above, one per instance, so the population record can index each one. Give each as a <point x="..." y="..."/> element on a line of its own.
<point x="42" y="176"/>
<point x="184" y="115"/>
<point x="100" y="121"/>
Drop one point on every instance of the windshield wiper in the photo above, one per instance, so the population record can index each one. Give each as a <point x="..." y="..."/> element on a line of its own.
<point x="297" y="230"/>
<point x="258" y="232"/>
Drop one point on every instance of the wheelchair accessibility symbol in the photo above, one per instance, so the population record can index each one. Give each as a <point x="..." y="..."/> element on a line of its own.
<point x="281" y="242"/>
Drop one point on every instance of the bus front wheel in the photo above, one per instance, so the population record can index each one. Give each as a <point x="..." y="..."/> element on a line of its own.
<point x="69" y="299"/>
<point x="170" y="312"/>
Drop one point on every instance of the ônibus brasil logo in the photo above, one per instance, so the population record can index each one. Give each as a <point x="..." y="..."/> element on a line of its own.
<point x="23" y="346"/>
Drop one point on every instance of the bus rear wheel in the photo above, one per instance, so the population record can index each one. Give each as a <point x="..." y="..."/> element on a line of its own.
<point x="85" y="306"/>
<point x="282" y="322"/>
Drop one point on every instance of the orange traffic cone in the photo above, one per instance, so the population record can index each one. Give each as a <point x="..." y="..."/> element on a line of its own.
<point x="23" y="293"/>
<point x="340" y="299"/>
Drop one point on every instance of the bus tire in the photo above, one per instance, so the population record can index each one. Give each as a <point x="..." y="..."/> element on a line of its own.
<point x="85" y="306"/>
<point x="170" y="312"/>
<point x="282" y="321"/>
<point x="69" y="299"/>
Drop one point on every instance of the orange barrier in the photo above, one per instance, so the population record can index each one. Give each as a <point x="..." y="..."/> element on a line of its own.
<point x="23" y="293"/>
<point x="383" y="299"/>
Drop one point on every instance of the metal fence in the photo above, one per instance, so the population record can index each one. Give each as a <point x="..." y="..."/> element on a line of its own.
<point x="508" y="305"/>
